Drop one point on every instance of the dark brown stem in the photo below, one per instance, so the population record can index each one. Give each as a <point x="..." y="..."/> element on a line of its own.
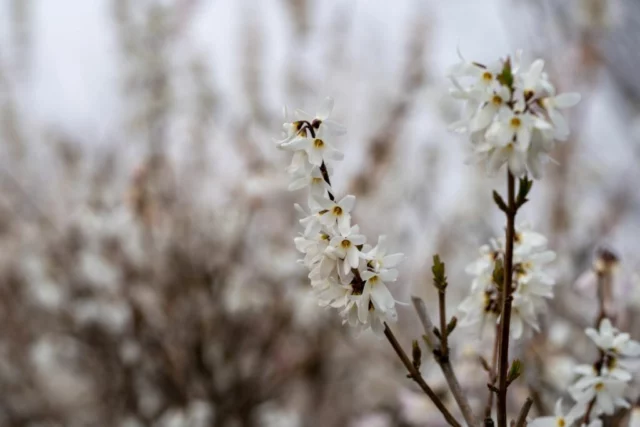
<point x="325" y="175"/>
<point x="522" y="417"/>
<point x="507" y="298"/>
<point x="415" y="375"/>
<point x="444" y="340"/>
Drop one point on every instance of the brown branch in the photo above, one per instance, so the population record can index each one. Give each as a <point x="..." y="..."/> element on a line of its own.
<point x="444" y="363"/>
<point x="444" y="335"/>
<point x="507" y="298"/>
<point x="522" y="417"/>
<point x="415" y="375"/>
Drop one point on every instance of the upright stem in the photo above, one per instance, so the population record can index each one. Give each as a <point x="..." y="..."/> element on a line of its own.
<point x="444" y="339"/>
<point x="507" y="298"/>
<point x="493" y="373"/>
<point x="415" y="375"/>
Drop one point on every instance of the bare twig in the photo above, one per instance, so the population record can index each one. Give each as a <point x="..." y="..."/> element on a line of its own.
<point x="444" y="363"/>
<point x="415" y="375"/>
<point x="522" y="417"/>
<point x="507" y="298"/>
<point x="493" y="373"/>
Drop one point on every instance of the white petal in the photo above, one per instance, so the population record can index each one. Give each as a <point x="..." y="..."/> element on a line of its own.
<point x="389" y="275"/>
<point x="566" y="100"/>
<point x="366" y="275"/>
<point x="382" y="297"/>
<point x="392" y="260"/>
<point x="325" y="108"/>
<point x="353" y="257"/>
<point x="299" y="183"/>
<point x="483" y="118"/>
<point x="605" y="402"/>
<point x="347" y="203"/>
<point x="357" y="239"/>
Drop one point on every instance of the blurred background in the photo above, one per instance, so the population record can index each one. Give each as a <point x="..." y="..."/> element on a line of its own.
<point x="147" y="265"/>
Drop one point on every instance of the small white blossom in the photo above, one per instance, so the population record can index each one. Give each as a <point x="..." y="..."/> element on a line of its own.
<point x="559" y="418"/>
<point x="608" y="393"/>
<point x="345" y="247"/>
<point x="336" y="212"/>
<point x="608" y="338"/>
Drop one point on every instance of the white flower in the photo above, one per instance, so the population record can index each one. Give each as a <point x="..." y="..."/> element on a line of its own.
<point x="608" y="393"/>
<point x="318" y="149"/>
<point x="379" y="259"/>
<point x="495" y="103"/>
<point x="321" y="120"/>
<point x="608" y="338"/>
<point x="314" y="181"/>
<point x="559" y="418"/>
<point x="552" y="104"/>
<point x="483" y="266"/>
<point x="376" y="304"/>
<point x="344" y="247"/>
<point x="336" y="212"/>
<point x="611" y="370"/>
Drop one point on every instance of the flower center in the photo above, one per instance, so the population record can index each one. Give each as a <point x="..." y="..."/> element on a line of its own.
<point x="487" y="76"/>
<point x="497" y="100"/>
<point x="373" y="280"/>
<point x="337" y="210"/>
<point x="560" y="422"/>
<point x="316" y="180"/>
<point x="516" y="122"/>
<point x="318" y="143"/>
<point x="599" y="386"/>
<point x="346" y="244"/>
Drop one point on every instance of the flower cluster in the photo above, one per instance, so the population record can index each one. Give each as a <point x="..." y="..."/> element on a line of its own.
<point x="512" y="115"/>
<point x="345" y="272"/>
<point x="601" y="387"/>
<point x="531" y="284"/>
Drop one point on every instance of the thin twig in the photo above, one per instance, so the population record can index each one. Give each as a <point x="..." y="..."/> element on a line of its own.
<point x="493" y="373"/>
<point x="428" y="327"/>
<point x="445" y="364"/>
<point x="522" y="417"/>
<point x="507" y="298"/>
<point x="415" y="375"/>
<point x="444" y="339"/>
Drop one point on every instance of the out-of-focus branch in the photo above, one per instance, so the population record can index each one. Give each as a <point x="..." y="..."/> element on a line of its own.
<point x="415" y="375"/>
<point x="442" y="358"/>
<point x="522" y="417"/>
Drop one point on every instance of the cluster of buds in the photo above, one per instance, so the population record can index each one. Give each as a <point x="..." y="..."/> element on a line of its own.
<point x="345" y="272"/>
<point x="512" y="115"/>
<point x="532" y="285"/>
